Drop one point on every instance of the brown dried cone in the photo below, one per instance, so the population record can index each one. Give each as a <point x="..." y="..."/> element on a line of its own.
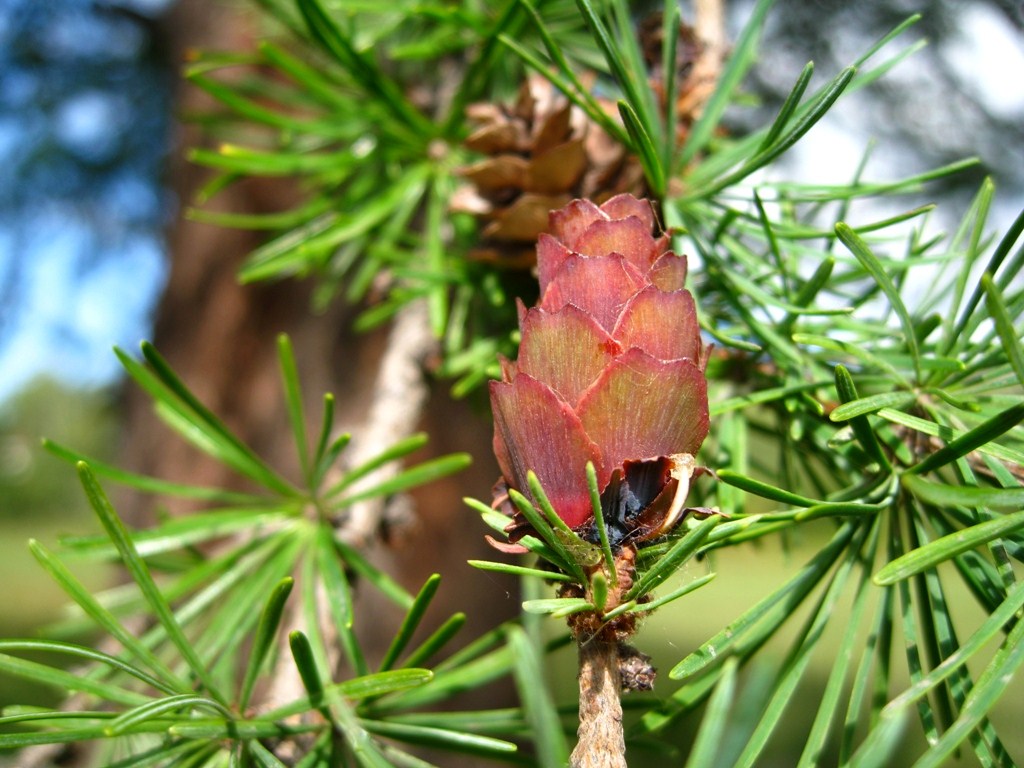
<point x="692" y="84"/>
<point x="543" y="152"/>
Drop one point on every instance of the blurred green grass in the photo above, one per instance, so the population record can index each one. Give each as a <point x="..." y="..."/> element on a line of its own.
<point x="40" y="499"/>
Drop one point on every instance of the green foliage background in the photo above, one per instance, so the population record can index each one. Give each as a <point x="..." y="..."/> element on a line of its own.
<point x="866" y="404"/>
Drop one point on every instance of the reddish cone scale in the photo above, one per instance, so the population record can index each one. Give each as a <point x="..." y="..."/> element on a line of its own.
<point x="610" y="370"/>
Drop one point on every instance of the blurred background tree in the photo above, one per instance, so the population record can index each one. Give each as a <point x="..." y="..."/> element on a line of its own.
<point x="931" y="111"/>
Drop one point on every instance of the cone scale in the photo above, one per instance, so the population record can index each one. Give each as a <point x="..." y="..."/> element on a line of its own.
<point x="610" y="372"/>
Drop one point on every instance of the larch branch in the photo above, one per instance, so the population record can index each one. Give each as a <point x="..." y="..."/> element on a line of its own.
<point x="601" y="741"/>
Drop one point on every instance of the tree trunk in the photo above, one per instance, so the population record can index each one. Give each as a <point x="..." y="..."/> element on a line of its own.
<point x="220" y="337"/>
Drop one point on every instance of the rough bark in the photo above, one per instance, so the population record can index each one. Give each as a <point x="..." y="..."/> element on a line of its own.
<point x="601" y="742"/>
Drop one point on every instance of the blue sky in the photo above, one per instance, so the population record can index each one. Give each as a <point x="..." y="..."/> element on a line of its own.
<point x="73" y="304"/>
<point x="84" y="135"/>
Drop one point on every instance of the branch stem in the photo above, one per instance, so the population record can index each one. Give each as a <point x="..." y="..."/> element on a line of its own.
<point x="400" y="395"/>
<point x="608" y="666"/>
<point x="601" y="741"/>
<point x="709" y="27"/>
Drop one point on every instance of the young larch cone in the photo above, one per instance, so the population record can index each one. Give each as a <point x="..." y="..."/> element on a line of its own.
<point x="542" y="152"/>
<point x="610" y="371"/>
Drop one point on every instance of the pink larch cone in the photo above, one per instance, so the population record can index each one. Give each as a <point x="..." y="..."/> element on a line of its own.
<point x="610" y="370"/>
